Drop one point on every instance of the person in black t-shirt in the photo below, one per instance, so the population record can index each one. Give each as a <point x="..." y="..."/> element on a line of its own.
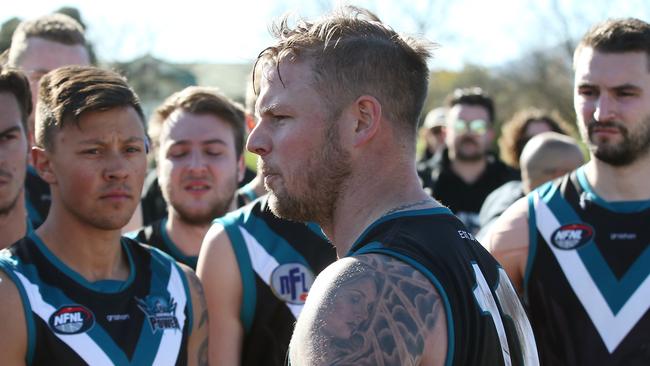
<point x="466" y="173"/>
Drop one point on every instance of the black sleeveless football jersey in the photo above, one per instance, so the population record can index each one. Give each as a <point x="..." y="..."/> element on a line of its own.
<point x="145" y="320"/>
<point x="486" y="324"/>
<point x="278" y="261"/>
<point x="156" y="235"/>
<point x="586" y="284"/>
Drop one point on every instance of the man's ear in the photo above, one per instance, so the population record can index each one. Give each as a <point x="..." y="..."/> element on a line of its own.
<point x="368" y="113"/>
<point x="43" y="164"/>
<point x="241" y="168"/>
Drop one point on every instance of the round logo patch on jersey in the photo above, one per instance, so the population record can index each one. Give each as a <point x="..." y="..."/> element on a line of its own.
<point x="71" y="319"/>
<point x="571" y="236"/>
<point x="291" y="282"/>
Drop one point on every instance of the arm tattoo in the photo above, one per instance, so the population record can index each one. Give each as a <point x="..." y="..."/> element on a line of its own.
<point x="379" y="311"/>
<point x="196" y="283"/>
<point x="203" y="319"/>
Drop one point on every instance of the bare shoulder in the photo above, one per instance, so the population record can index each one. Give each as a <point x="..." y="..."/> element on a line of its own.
<point x="217" y="264"/>
<point x="218" y="270"/>
<point x="510" y="231"/>
<point x="507" y="240"/>
<point x="13" y="329"/>
<point x="371" y="310"/>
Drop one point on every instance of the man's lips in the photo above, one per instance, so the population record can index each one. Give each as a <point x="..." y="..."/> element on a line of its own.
<point x="197" y="186"/>
<point x="117" y="195"/>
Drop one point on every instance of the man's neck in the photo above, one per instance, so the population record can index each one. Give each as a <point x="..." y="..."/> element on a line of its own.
<point x="94" y="253"/>
<point x="368" y="200"/>
<point x="13" y="225"/>
<point x="626" y="183"/>
<point x="187" y="237"/>
<point x="469" y="170"/>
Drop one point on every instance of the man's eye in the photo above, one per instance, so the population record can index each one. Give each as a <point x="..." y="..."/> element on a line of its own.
<point x="90" y="152"/>
<point x="8" y="137"/>
<point x="133" y="149"/>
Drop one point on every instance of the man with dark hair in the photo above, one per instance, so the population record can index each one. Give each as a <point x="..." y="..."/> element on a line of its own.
<point x="38" y="46"/>
<point x="339" y="103"/>
<point x="15" y="107"/>
<point x="74" y="292"/>
<point x="465" y="173"/>
<point x="198" y="138"/>
<point x="578" y="248"/>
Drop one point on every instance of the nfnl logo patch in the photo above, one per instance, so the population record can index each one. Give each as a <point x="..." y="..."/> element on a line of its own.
<point x="291" y="282"/>
<point x="71" y="319"/>
<point x="160" y="311"/>
<point x="571" y="236"/>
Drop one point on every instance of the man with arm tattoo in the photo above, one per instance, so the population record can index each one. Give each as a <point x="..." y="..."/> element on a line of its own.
<point x="339" y="100"/>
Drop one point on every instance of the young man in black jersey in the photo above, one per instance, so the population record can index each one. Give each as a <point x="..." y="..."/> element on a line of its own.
<point x="198" y="135"/>
<point x="578" y="248"/>
<point x="338" y="107"/>
<point x="15" y="107"/>
<point x="74" y="292"/>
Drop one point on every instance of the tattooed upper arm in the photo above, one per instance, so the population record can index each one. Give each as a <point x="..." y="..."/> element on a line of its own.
<point x="198" y="343"/>
<point x="371" y="310"/>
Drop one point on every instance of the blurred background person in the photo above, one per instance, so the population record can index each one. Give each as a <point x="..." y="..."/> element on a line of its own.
<point x="525" y="124"/>
<point x="199" y="134"/>
<point x="15" y="108"/>
<point x="37" y="47"/>
<point x="466" y="172"/>
<point x="546" y="156"/>
<point x="432" y="133"/>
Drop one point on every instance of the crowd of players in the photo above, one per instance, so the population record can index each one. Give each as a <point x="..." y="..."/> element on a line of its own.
<point x="390" y="249"/>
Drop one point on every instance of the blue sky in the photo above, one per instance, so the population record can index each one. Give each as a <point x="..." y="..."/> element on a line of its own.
<point x="482" y="32"/>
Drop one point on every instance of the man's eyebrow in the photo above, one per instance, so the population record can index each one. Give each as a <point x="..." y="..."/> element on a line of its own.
<point x="626" y="86"/>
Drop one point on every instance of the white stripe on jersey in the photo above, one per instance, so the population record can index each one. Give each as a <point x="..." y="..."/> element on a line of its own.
<point x="263" y="264"/>
<point x="612" y="328"/>
<point x="81" y="343"/>
<point x="170" y="344"/>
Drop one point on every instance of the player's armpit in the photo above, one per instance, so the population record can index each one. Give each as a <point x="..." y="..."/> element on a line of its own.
<point x="507" y="240"/>
<point x="13" y="329"/>
<point x="197" y="349"/>
<point x="219" y="272"/>
<point x="371" y="310"/>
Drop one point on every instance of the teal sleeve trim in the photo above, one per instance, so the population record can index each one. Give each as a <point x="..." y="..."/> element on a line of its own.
<point x="377" y="248"/>
<point x="27" y="308"/>
<point x="249" y="293"/>
<point x="532" y="243"/>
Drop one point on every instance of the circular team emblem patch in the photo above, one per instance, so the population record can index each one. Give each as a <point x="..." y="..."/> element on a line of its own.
<point x="571" y="236"/>
<point x="71" y="319"/>
<point x="291" y="282"/>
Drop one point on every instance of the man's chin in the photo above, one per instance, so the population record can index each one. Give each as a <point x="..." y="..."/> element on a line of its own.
<point x="288" y="208"/>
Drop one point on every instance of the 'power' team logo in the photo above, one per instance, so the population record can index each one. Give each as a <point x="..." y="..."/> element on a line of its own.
<point x="71" y="319"/>
<point x="571" y="236"/>
<point x="291" y="282"/>
<point x="160" y="311"/>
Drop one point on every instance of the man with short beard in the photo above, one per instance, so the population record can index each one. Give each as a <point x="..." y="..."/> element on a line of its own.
<point x="198" y="137"/>
<point x="15" y="107"/>
<point x="465" y="173"/>
<point x="578" y="248"/>
<point x="339" y="99"/>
